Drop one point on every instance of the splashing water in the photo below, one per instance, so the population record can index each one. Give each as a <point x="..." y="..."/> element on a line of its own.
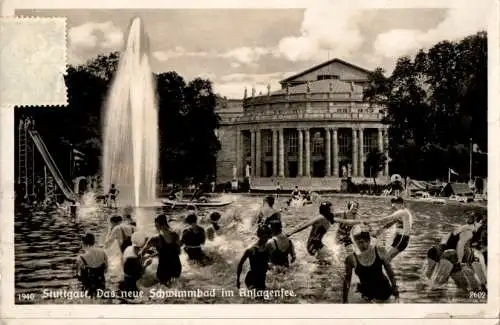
<point x="130" y="157"/>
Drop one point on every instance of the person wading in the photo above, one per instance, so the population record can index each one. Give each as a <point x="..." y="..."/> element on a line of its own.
<point x="258" y="255"/>
<point x="369" y="263"/>
<point x="119" y="232"/>
<point x="168" y="247"/>
<point x="280" y="247"/>
<point x="92" y="266"/>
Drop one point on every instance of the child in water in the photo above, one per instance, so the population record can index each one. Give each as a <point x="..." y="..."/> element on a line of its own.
<point x="92" y="266"/>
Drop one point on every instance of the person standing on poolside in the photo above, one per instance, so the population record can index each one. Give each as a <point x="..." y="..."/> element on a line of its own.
<point x="369" y="262"/>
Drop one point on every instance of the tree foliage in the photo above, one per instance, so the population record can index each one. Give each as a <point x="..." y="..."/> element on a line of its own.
<point x="435" y="103"/>
<point x="374" y="164"/>
<point x="186" y="115"/>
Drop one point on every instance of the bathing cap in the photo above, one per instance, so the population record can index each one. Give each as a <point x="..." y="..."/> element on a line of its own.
<point x="325" y="207"/>
<point x="138" y="239"/>
<point x="215" y="216"/>
<point x="397" y="200"/>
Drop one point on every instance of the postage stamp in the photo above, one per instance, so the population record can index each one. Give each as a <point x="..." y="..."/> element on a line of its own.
<point x="330" y="156"/>
<point x="33" y="61"/>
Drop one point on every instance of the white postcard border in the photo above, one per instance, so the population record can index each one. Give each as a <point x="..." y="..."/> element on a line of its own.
<point x="9" y="310"/>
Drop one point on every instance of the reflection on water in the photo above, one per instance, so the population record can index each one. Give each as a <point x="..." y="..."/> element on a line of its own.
<point x="46" y="244"/>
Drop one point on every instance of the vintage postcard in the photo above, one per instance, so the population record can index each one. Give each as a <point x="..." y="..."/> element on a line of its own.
<point x="293" y="161"/>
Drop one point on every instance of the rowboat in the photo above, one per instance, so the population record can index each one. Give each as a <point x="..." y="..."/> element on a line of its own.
<point x="185" y="203"/>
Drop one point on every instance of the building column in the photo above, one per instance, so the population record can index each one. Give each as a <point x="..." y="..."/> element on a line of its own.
<point x="238" y="152"/>
<point x="300" y="169"/>
<point x="252" y="152"/>
<point x="308" y="152"/>
<point x="381" y="142"/>
<point x="335" y="153"/>
<point x="354" y="152"/>
<point x="328" y="152"/>
<point x="275" y="153"/>
<point x="386" y="144"/>
<point x="258" y="154"/>
<point x="361" y="154"/>
<point x="281" y="150"/>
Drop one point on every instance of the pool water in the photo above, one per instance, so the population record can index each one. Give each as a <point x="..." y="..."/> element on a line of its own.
<point x="46" y="244"/>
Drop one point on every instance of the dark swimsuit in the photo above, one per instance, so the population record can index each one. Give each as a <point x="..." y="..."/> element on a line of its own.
<point x="169" y="262"/>
<point x="279" y="257"/>
<point x="436" y="252"/>
<point x="112" y="193"/>
<point x="315" y="240"/>
<point x="373" y="282"/>
<point x="256" y="277"/>
<point x="400" y="242"/>
<point x="92" y="278"/>
<point x="193" y="238"/>
<point x="344" y="234"/>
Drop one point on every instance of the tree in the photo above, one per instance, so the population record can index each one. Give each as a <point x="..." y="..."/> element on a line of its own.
<point x="374" y="164"/>
<point x="434" y="103"/>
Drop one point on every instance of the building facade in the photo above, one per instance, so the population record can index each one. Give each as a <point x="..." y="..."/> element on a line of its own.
<point x="316" y="126"/>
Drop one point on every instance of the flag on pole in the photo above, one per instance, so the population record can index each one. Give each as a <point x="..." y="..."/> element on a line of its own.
<point x="476" y="149"/>
<point x="78" y="155"/>
<point x="453" y="172"/>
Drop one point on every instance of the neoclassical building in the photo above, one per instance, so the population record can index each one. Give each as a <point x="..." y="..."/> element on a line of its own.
<point x="316" y="129"/>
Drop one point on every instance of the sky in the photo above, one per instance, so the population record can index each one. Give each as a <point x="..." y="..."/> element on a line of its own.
<point x="238" y="48"/>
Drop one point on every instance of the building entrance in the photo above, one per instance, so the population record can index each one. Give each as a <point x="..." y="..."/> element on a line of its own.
<point x="318" y="168"/>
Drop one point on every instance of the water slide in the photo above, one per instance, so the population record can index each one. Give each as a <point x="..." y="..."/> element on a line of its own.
<point x="40" y="145"/>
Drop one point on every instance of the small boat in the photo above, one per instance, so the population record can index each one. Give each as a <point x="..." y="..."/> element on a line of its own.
<point x="201" y="204"/>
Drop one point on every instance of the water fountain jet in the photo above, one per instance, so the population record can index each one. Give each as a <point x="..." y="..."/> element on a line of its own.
<point x="130" y="142"/>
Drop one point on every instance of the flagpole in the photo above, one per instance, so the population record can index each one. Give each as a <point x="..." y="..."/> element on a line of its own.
<point x="470" y="161"/>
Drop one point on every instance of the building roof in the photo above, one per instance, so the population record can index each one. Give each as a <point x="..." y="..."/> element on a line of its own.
<point x="319" y="66"/>
<point x="322" y="86"/>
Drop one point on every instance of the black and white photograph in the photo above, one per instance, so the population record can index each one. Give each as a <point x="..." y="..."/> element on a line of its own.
<point x="323" y="155"/>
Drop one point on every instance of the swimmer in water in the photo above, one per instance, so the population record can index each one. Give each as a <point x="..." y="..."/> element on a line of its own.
<point x="369" y="263"/>
<point x="268" y="215"/>
<point x="214" y="227"/>
<point x="320" y="226"/>
<point x="132" y="264"/>
<point x="119" y="232"/>
<point x="168" y="247"/>
<point x="193" y="239"/>
<point x="454" y="258"/>
<point x="92" y="266"/>
<point x="258" y="255"/>
<point x="402" y="218"/>
<point x="343" y="235"/>
<point x="280" y="247"/>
